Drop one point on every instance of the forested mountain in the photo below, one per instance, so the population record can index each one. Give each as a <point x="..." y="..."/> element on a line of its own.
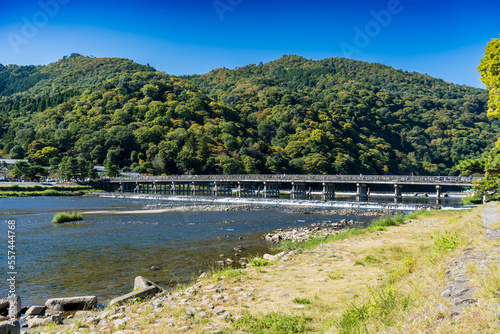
<point x="344" y="116"/>
<point x="292" y="115"/>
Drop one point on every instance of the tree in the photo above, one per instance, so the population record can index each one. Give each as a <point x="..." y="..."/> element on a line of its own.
<point x="110" y="169"/>
<point x="20" y="168"/>
<point x="69" y="168"/>
<point x="43" y="156"/>
<point x="17" y="152"/>
<point x="490" y="75"/>
<point x="489" y="164"/>
<point x="35" y="172"/>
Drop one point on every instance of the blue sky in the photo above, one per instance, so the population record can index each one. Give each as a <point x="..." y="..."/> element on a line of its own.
<point x="444" y="39"/>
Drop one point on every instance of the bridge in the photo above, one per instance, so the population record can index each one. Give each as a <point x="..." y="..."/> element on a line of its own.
<point x="267" y="186"/>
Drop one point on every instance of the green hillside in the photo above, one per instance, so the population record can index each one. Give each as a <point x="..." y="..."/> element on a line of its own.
<point x="344" y="116"/>
<point x="292" y="115"/>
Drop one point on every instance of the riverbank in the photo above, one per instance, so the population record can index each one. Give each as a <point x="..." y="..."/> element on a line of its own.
<point x="383" y="279"/>
<point x="15" y="190"/>
<point x="285" y="202"/>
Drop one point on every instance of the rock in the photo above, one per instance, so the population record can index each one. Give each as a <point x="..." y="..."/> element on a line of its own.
<point x="35" y="310"/>
<point x="10" y="304"/>
<point x="229" y="261"/>
<point x="84" y="314"/>
<point x="10" y="327"/>
<point x="270" y="257"/>
<point x="190" y="291"/>
<point x="217" y="296"/>
<point x="184" y="329"/>
<point x="72" y="303"/>
<point x="35" y="322"/>
<point x="141" y="283"/>
<point x="191" y="310"/>
<point x="143" y="293"/>
<point x="4" y="306"/>
<point x="119" y="322"/>
<point x="53" y="319"/>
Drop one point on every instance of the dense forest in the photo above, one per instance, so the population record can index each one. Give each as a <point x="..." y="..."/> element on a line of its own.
<point x="291" y="115"/>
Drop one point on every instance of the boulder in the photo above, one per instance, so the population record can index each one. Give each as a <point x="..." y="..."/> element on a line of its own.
<point x="72" y="303"/>
<point x="10" y="327"/>
<point x="142" y="283"/>
<point x="4" y="306"/>
<point x="143" y="293"/>
<point x="53" y="319"/>
<point x="13" y="302"/>
<point x="35" y="310"/>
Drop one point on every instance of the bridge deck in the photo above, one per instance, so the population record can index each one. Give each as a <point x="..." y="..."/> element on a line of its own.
<point x="283" y="178"/>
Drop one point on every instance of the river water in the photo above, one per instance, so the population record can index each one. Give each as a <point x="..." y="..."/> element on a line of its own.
<point x="102" y="254"/>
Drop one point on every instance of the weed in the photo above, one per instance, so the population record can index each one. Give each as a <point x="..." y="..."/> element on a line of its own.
<point x="228" y="273"/>
<point x="358" y="263"/>
<point x="258" y="262"/>
<point x="371" y="259"/>
<point x="335" y="276"/>
<point x="303" y="301"/>
<point x="383" y="306"/>
<point x="445" y="242"/>
<point x="491" y="282"/>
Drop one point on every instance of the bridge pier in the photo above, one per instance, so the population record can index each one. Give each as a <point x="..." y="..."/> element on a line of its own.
<point x="361" y="192"/>
<point x="328" y="191"/>
<point x="397" y="191"/>
<point x="245" y="190"/>
<point x="298" y="191"/>
<point x="270" y="190"/>
<point x="438" y="194"/>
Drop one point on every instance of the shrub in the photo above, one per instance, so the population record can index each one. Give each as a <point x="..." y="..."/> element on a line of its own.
<point x="64" y="217"/>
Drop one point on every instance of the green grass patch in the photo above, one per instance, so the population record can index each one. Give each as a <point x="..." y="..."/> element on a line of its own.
<point x="384" y="307"/>
<point x="379" y="225"/>
<point x="64" y="217"/>
<point x="226" y="273"/>
<point x="273" y="322"/>
<point x="335" y="276"/>
<point x="472" y="200"/>
<point x="445" y="242"/>
<point x="371" y="259"/>
<point x="302" y="301"/>
<point x="34" y="191"/>
<point x="258" y="262"/>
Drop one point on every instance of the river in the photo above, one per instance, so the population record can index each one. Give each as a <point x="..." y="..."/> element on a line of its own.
<point x="102" y="254"/>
